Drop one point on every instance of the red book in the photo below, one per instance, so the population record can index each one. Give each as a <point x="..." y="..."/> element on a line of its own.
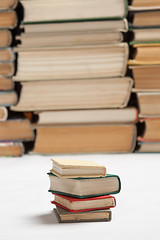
<point x="86" y="204"/>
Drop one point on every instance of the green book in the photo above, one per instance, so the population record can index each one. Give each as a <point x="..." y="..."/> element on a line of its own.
<point x="85" y="187"/>
<point x="73" y="10"/>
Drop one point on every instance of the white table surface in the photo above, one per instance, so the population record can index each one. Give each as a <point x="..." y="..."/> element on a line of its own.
<point x="26" y="211"/>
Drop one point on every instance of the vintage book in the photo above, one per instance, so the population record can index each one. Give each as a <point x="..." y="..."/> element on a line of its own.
<point x="16" y="130"/>
<point x="92" y="61"/>
<point x="85" y="204"/>
<point x="14" y="149"/>
<point x="8" y="98"/>
<point x="65" y="216"/>
<point x="3" y="113"/>
<point x="146" y="19"/>
<point x="120" y="25"/>
<point x="6" y="84"/>
<point x="60" y="40"/>
<point x="85" y="138"/>
<point x="5" y="38"/>
<point x="142" y="36"/>
<point x="146" y="54"/>
<point x="140" y="5"/>
<point x="149" y="104"/>
<point x="148" y="147"/>
<point x="8" y="4"/>
<point x="146" y="77"/>
<point x="152" y="130"/>
<point x="71" y="33"/>
<point x="66" y="168"/>
<point x="7" y="69"/>
<point x="123" y="115"/>
<point x="8" y="19"/>
<point x="85" y="187"/>
<point x="38" y="11"/>
<point x="74" y="94"/>
<point x="7" y="55"/>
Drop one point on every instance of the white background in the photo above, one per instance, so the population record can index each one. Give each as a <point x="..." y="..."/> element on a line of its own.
<point x="26" y="211"/>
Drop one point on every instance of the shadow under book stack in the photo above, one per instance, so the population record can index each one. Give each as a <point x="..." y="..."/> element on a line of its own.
<point x="71" y="66"/>
<point x="145" y="67"/>
<point x="12" y="132"/>
<point x="81" y="190"/>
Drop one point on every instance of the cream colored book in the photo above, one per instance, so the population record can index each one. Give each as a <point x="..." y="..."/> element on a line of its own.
<point x="74" y="94"/>
<point x="67" y="168"/>
<point x="53" y="10"/>
<point x="89" y="61"/>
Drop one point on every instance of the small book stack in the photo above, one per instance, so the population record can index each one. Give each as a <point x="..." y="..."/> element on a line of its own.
<point x="82" y="190"/>
<point x="12" y="132"/>
<point x="145" y="66"/>
<point x="72" y="65"/>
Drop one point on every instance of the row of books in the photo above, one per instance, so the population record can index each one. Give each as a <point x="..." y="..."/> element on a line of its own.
<point x="145" y="66"/>
<point x="72" y="88"/>
<point x="81" y="190"/>
<point x="14" y="128"/>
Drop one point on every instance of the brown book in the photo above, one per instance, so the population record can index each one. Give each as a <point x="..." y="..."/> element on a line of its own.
<point x="123" y="115"/>
<point x="90" y="216"/>
<point x="5" y="38"/>
<point x="6" y="84"/>
<point x="152" y="130"/>
<point x="14" y="149"/>
<point x="74" y="94"/>
<point x="91" y="61"/>
<point x="149" y="104"/>
<point x="148" y="147"/>
<point x="8" y="4"/>
<point x="7" y="68"/>
<point x="8" y="98"/>
<point x="6" y="55"/>
<point x="146" y="78"/>
<point x="3" y="113"/>
<point x="145" y="3"/>
<point x="148" y="54"/>
<point x="19" y="130"/>
<point x="146" y="18"/>
<point x="8" y="19"/>
<point x="85" y="138"/>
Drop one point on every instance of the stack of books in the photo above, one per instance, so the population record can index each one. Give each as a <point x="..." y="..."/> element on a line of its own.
<point x="12" y="132"/>
<point x="81" y="190"/>
<point x="71" y="65"/>
<point x="145" y="66"/>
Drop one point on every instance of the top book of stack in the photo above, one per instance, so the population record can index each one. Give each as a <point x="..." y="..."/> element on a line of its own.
<point x="52" y="10"/>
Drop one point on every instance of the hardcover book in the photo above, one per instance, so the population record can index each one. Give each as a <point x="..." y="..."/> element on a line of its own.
<point x="86" y="138"/>
<point x="38" y="11"/>
<point x="86" y="204"/>
<point x="67" y="168"/>
<point x="85" y="187"/>
<point x="91" y="216"/>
